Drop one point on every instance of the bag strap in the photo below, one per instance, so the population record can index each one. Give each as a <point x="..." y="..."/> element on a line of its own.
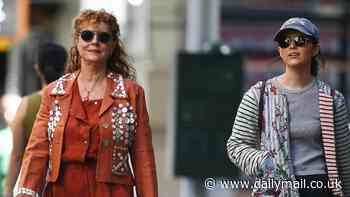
<point x="260" y="114"/>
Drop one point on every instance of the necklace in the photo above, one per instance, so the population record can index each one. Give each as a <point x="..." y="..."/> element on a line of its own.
<point x="89" y="90"/>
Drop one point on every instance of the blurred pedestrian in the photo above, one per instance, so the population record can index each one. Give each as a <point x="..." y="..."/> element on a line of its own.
<point x="90" y="121"/>
<point x="50" y="64"/>
<point x="300" y="131"/>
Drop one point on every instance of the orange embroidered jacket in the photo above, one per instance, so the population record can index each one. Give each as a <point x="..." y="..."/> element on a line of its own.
<point x="124" y="130"/>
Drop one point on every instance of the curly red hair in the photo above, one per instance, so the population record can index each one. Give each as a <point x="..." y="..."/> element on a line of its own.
<point x="118" y="62"/>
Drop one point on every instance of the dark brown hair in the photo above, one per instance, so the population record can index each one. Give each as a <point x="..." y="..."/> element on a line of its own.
<point x="317" y="62"/>
<point x="118" y="62"/>
<point x="51" y="60"/>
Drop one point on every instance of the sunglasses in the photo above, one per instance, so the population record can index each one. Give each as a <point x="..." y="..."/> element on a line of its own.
<point x="299" y="41"/>
<point x="102" y="37"/>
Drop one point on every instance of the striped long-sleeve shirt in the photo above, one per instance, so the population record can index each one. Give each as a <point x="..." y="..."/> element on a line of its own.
<point x="241" y="146"/>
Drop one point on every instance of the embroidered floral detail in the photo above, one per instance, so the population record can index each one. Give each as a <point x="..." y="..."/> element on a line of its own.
<point x="54" y="118"/>
<point x="119" y="89"/>
<point x="275" y="137"/>
<point x="123" y="123"/>
<point x="26" y="191"/>
<point x="123" y="130"/>
<point x="59" y="87"/>
<point x="274" y="90"/>
<point x="120" y="159"/>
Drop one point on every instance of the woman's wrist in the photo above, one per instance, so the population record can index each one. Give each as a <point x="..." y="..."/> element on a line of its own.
<point x="267" y="165"/>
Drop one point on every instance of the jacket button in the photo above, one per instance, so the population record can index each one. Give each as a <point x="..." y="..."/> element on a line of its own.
<point x="105" y="125"/>
<point x="105" y="142"/>
<point x="85" y="142"/>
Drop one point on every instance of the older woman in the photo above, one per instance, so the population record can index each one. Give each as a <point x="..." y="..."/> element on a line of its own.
<point x="92" y="123"/>
<point x="293" y="128"/>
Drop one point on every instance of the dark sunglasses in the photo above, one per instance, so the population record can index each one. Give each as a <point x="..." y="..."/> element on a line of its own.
<point x="88" y="36"/>
<point x="299" y="41"/>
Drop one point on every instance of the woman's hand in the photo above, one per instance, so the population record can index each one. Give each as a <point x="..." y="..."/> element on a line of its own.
<point x="268" y="167"/>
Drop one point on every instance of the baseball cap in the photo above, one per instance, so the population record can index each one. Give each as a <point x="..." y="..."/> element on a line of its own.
<point x="302" y="25"/>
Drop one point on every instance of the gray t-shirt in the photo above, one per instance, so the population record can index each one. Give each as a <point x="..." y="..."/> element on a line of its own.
<point x="305" y="129"/>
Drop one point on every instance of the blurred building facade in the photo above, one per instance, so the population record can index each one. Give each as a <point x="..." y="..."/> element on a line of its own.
<point x="153" y="33"/>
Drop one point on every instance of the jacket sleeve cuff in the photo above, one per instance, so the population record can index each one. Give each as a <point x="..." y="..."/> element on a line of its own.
<point x="26" y="191"/>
